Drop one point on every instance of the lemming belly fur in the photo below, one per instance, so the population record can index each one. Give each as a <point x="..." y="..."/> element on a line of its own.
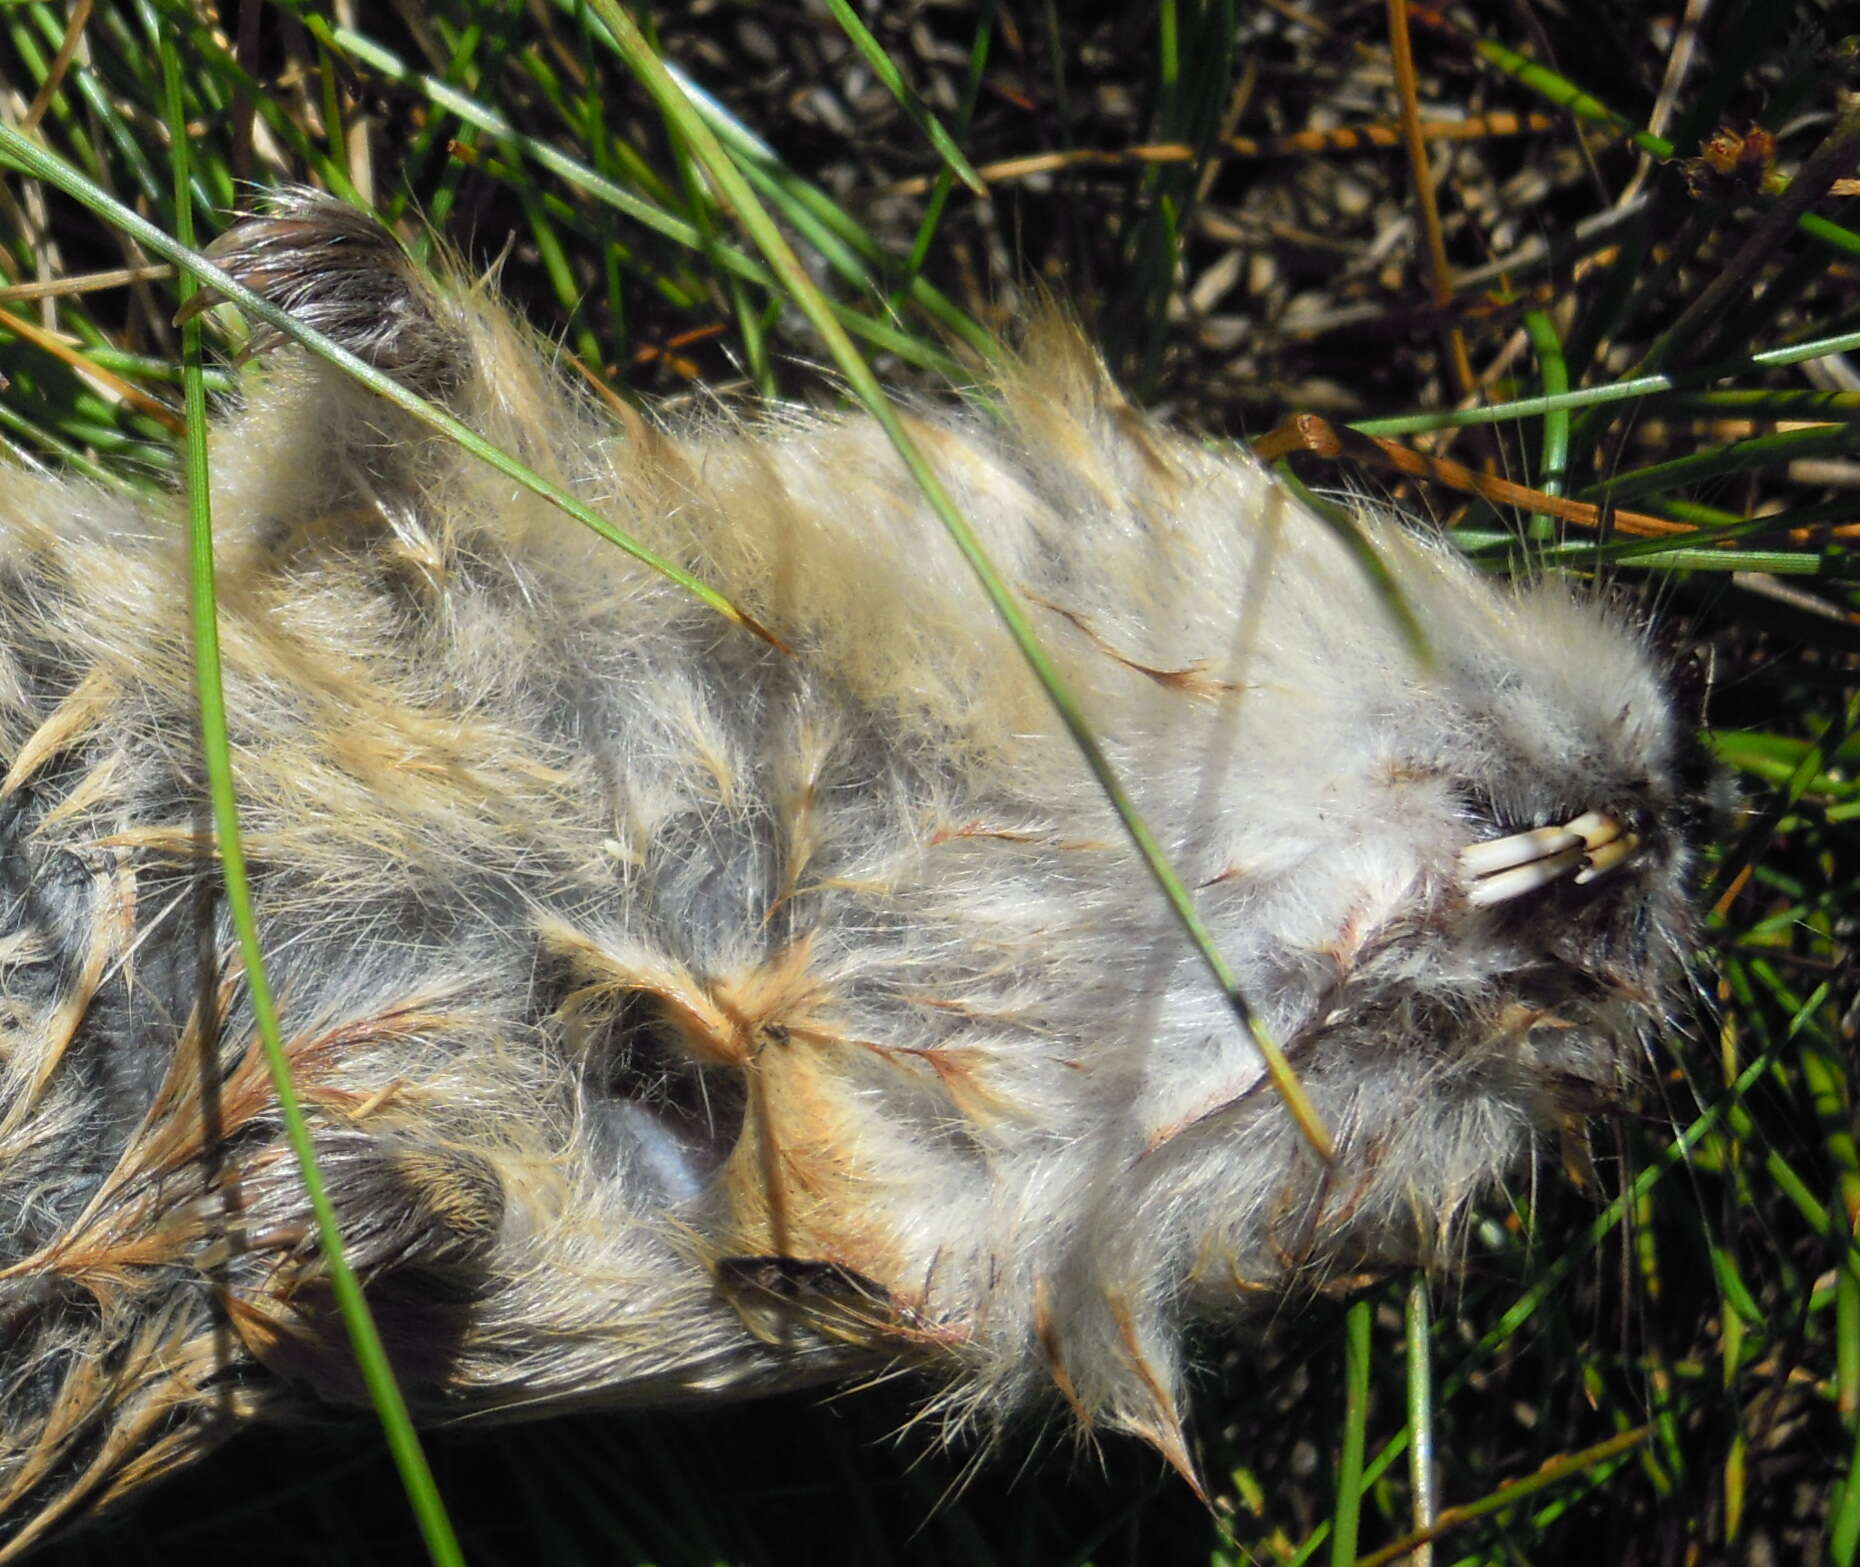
<point x="683" y="1015"/>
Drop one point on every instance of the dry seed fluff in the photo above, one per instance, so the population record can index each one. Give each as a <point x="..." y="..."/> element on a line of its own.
<point x="683" y="1017"/>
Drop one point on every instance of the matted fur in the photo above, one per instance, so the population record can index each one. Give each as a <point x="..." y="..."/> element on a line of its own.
<point x="684" y="1017"/>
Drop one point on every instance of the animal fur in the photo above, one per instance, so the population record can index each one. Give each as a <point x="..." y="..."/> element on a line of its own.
<point x="683" y="1017"/>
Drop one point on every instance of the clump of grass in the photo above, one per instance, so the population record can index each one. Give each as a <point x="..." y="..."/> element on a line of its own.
<point x="1589" y="280"/>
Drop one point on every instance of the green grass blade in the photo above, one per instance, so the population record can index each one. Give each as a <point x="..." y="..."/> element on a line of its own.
<point x="1348" y="1508"/>
<point x="674" y="104"/>
<point x="920" y="113"/>
<point x="1417" y="1324"/>
<point x="577" y="175"/>
<point x="364" y="1336"/>
<point x="55" y="172"/>
<point x="1554" y="460"/>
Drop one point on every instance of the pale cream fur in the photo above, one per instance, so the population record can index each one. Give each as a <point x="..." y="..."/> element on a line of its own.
<point x="683" y="1016"/>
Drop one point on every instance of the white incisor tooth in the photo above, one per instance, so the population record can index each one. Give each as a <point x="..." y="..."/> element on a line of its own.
<point x="1520" y="848"/>
<point x="1520" y="879"/>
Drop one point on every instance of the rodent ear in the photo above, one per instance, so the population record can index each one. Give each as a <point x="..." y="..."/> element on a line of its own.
<point x="338" y="270"/>
<point x="316" y="464"/>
